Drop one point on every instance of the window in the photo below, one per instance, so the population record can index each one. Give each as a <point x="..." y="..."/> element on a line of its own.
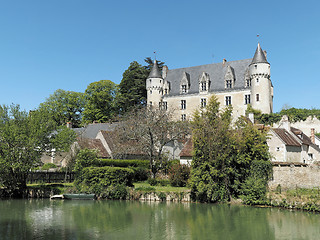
<point x="165" y="105"/>
<point x="257" y="80"/>
<point x="150" y="91"/>
<point x="310" y="156"/>
<point x="183" y="117"/>
<point x="278" y="149"/>
<point x="183" y="88"/>
<point x="183" y="104"/>
<point x="228" y="83"/>
<point x="257" y="97"/>
<point x="166" y="91"/>
<point x="247" y="99"/>
<point x="248" y="82"/>
<point x="228" y="100"/>
<point x="203" y="86"/>
<point x="203" y="102"/>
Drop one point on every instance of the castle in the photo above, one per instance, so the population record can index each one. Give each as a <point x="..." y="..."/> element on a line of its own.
<point x="236" y="83"/>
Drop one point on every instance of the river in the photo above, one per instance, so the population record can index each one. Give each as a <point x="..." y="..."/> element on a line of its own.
<point x="45" y="219"/>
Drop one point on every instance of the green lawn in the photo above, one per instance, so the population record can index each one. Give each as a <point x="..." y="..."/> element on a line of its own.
<point x="146" y="185"/>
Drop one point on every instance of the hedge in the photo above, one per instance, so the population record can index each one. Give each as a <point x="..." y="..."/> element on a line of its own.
<point x="97" y="179"/>
<point x="122" y="163"/>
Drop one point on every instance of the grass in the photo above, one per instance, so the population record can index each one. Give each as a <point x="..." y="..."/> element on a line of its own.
<point x="146" y="185"/>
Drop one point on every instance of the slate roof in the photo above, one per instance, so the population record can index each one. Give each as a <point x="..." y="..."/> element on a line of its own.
<point x="216" y="73"/>
<point x="155" y="73"/>
<point x="92" y="129"/>
<point x="259" y="56"/>
<point x="286" y="137"/>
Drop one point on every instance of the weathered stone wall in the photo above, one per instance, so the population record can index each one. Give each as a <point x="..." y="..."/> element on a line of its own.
<point x="290" y="177"/>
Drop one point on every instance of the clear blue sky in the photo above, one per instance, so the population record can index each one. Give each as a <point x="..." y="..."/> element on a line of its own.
<point x="67" y="44"/>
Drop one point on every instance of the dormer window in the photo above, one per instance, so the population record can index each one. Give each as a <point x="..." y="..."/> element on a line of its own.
<point x="184" y="88"/>
<point x="229" y="78"/>
<point x="185" y="83"/>
<point x="228" y="83"/>
<point x="204" y="82"/>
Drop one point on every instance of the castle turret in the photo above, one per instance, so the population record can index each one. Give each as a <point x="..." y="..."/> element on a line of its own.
<point x="154" y="85"/>
<point x="261" y="86"/>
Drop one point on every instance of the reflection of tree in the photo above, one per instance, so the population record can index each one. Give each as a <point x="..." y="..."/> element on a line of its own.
<point x="103" y="216"/>
<point x="231" y="222"/>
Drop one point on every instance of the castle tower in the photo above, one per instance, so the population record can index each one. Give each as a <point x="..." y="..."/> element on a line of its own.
<point x="154" y="85"/>
<point x="261" y="86"/>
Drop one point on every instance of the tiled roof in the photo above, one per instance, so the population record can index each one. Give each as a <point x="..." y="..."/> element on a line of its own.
<point x="93" y="144"/>
<point x="286" y="137"/>
<point x="187" y="149"/>
<point x="302" y="137"/>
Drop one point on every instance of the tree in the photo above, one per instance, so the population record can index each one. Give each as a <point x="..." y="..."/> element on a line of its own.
<point x="24" y="137"/>
<point x="225" y="158"/>
<point x="132" y="89"/>
<point x="100" y="104"/>
<point x="65" y="106"/>
<point x="149" y="130"/>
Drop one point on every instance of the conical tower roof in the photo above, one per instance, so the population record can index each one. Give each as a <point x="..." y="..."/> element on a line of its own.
<point x="259" y="56"/>
<point x="155" y="73"/>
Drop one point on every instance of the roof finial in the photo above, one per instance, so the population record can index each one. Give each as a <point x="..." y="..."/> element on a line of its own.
<point x="155" y="55"/>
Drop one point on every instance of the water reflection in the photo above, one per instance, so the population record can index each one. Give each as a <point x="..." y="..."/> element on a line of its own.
<point x="45" y="219"/>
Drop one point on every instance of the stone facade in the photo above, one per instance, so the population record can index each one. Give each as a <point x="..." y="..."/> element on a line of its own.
<point x="236" y="83"/>
<point x="295" y="176"/>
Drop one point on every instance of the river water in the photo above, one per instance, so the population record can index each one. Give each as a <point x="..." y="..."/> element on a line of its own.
<point x="45" y="219"/>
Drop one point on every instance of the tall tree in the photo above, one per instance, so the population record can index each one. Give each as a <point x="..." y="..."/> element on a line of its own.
<point x="132" y="89"/>
<point x="225" y="158"/>
<point x="100" y="101"/>
<point x="24" y="137"/>
<point x="65" y="106"/>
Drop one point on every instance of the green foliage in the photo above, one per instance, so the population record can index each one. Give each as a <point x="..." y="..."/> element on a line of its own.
<point x="85" y="158"/>
<point x="158" y="182"/>
<point x="179" y="175"/>
<point x="132" y="88"/>
<point x="100" y="101"/>
<point x="121" y="163"/>
<point x="65" y="106"/>
<point x="294" y="115"/>
<point x="47" y="166"/>
<point x="98" y="179"/>
<point x="24" y="138"/>
<point x="224" y="158"/>
<point x="115" y="192"/>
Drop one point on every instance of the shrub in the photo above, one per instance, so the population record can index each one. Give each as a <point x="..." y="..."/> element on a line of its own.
<point x="152" y="181"/>
<point x="179" y="175"/>
<point x="95" y="179"/>
<point x="140" y="174"/>
<point x="121" y="163"/>
<point x="47" y="166"/>
<point x="117" y="192"/>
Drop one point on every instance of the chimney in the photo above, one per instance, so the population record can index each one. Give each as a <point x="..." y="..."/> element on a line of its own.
<point x="284" y="123"/>
<point x="69" y="124"/>
<point x="313" y="138"/>
<point x="224" y="61"/>
<point x="164" y="72"/>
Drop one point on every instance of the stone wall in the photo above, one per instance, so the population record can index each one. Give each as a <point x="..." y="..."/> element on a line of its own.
<point x="295" y="175"/>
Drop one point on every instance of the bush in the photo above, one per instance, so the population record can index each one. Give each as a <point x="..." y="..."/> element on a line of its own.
<point x="179" y="175"/>
<point x="153" y="181"/>
<point x="121" y="163"/>
<point x="117" y="192"/>
<point x="47" y="166"/>
<point x="140" y="174"/>
<point x="96" y="180"/>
